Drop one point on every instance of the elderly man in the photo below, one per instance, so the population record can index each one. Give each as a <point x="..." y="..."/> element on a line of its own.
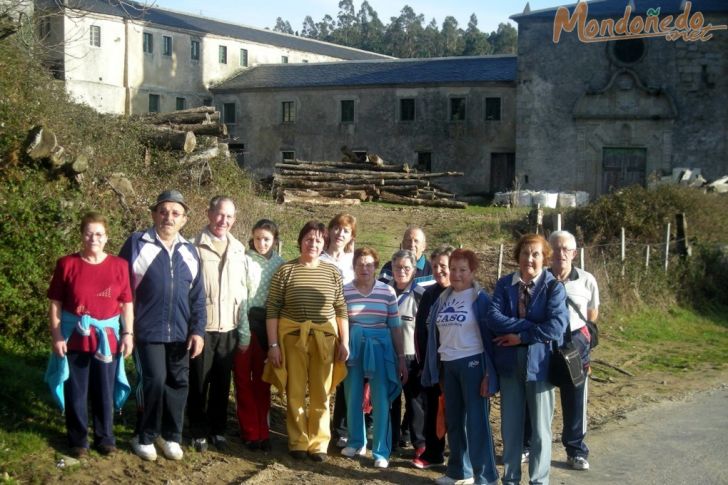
<point x="224" y="271"/>
<point x="583" y="301"/>
<point x="169" y="305"/>
<point x="413" y="240"/>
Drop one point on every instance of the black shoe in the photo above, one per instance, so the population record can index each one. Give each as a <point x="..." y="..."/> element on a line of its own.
<point x="79" y="452"/>
<point x="318" y="457"/>
<point x="298" y="454"/>
<point x="404" y="443"/>
<point x="252" y="445"/>
<point x="199" y="444"/>
<point x="106" y="450"/>
<point x="265" y="445"/>
<point x="220" y="442"/>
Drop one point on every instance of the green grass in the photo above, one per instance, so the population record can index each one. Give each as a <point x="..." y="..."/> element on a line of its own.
<point x="673" y="339"/>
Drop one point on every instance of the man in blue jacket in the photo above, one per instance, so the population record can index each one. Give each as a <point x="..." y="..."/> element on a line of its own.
<point x="169" y="304"/>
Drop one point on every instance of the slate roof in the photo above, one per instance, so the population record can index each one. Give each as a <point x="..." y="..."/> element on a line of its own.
<point x="615" y="8"/>
<point x="178" y="20"/>
<point x="445" y="70"/>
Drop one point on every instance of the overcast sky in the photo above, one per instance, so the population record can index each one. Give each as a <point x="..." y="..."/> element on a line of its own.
<point x="263" y="14"/>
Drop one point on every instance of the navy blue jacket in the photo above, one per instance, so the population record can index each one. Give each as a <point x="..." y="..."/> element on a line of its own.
<point x="169" y="295"/>
<point x="546" y="319"/>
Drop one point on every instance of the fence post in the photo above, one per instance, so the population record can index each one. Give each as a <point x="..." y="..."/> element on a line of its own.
<point x="681" y="236"/>
<point x="500" y="260"/>
<point x="621" y="254"/>
<point x="647" y="256"/>
<point x="667" y="246"/>
<point x="581" y="258"/>
<point x="280" y="246"/>
<point x="556" y="220"/>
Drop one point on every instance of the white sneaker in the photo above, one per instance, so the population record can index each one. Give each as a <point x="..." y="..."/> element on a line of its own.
<point x="525" y="456"/>
<point x="352" y="452"/>
<point x="445" y="480"/>
<point x="341" y="443"/>
<point x="578" y="462"/>
<point x="381" y="463"/>
<point x="171" y="449"/>
<point x="145" y="452"/>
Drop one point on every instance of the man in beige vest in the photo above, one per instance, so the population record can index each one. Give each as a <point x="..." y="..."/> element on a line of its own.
<point x="222" y="261"/>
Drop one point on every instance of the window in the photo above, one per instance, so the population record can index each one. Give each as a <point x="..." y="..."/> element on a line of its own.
<point x="228" y="113"/>
<point x="347" y="110"/>
<point x="166" y="45"/>
<point x="288" y="156"/>
<point x="492" y="109"/>
<point x="457" y="109"/>
<point x="154" y="103"/>
<point x="195" y="50"/>
<point x="424" y="160"/>
<point x="95" y="35"/>
<point x="407" y="109"/>
<point x="45" y="29"/>
<point x="148" y="43"/>
<point x="244" y="57"/>
<point x="222" y="54"/>
<point x="288" y="111"/>
<point x="284" y="59"/>
<point x="207" y="102"/>
<point x="181" y="103"/>
<point x="305" y="61"/>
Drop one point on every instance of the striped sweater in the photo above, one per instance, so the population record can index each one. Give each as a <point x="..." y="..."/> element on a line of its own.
<point x="301" y="293"/>
<point x="377" y="309"/>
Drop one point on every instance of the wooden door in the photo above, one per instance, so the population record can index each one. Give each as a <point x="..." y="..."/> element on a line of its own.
<point x="502" y="171"/>
<point x="622" y="167"/>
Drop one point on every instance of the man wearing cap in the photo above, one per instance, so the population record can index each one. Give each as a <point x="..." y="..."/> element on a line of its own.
<point x="225" y="271"/>
<point x="169" y="302"/>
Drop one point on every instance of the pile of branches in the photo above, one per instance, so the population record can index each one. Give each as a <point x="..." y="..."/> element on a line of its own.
<point x="350" y="182"/>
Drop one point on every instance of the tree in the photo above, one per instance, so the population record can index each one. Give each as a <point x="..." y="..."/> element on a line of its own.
<point x="451" y="37"/>
<point x="371" y="28"/>
<point x="475" y="42"/>
<point x="326" y="28"/>
<point x="505" y="40"/>
<point x="347" y="28"/>
<point x="309" y="28"/>
<point x="283" y="26"/>
<point x="430" y="41"/>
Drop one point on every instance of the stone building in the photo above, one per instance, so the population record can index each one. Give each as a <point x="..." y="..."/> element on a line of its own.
<point x="120" y="58"/>
<point x="596" y="116"/>
<point x="441" y="114"/>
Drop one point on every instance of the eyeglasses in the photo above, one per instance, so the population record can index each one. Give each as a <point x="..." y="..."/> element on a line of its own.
<point x="406" y="269"/>
<point x="91" y="235"/>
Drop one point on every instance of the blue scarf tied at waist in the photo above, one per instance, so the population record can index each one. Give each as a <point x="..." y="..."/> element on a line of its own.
<point x="376" y="349"/>
<point x="58" y="371"/>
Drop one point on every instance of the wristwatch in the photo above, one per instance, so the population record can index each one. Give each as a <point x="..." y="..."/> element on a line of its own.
<point x="273" y="345"/>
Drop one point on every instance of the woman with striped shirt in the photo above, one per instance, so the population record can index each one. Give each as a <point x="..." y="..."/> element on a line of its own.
<point x="308" y="341"/>
<point x="375" y="333"/>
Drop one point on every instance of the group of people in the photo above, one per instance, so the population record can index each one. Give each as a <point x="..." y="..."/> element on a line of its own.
<point x="196" y="314"/>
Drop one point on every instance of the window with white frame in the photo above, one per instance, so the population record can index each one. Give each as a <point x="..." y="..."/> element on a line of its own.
<point x="222" y="54"/>
<point x="166" y="45"/>
<point x="288" y="112"/>
<point x="244" y="57"/>
<point x="95" y="36"/>
<point x="148" y="43"/>
<point x="195" y="50"/>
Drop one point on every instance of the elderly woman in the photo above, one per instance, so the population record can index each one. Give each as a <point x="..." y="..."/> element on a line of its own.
<point x="308" y="341"/>
<point x="409" y="294"/>
<point x="88" y="293"/>
<point x="434" y="445"/>
<point x="374" y="335"/>
<point x="527" y="314"/>
<point x="460" y="356"/>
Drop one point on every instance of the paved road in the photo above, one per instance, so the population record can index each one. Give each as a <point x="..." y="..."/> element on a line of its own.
<point x="683" y="442"/>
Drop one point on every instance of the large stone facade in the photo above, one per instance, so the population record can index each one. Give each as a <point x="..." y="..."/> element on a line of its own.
<point x="587" y="120"/>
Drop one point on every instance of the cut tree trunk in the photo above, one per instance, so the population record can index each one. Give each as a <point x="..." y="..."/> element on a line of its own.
<point x="333" y="194"/>
<point x="192" y="116"/>
<point x="210" y="129"/>
<point x="340" y="173"/>
<point x="42" y="143"/>
<point x="170" y="139"/>
<point x="292" y="199"/>
<point x="397" y="199"/>
<point x="346" y="165"/>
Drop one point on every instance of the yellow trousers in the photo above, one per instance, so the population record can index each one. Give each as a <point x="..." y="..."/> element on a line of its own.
<point x="308" y="431"/>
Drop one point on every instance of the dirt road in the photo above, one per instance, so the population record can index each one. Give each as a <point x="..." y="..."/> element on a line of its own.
<point x="676" y="442"/>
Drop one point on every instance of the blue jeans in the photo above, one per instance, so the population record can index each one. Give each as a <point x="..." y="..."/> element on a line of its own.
<point x="516" y="392"/>
<point x="468" y="429"/>
<point x="380" y="393"/>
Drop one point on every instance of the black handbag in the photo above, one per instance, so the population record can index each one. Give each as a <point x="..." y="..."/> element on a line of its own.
<point x="591" y="326"/>
<point x="256" y="318"/>
<point x="566" y="367"/>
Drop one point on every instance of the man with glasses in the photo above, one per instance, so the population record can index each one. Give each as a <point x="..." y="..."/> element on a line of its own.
<point x="413" y="240"/>
<point x="170" y="318"/>
<point x="583" y="301"/>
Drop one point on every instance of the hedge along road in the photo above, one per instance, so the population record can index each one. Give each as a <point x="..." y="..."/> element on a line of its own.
<point x="675" y="442"/>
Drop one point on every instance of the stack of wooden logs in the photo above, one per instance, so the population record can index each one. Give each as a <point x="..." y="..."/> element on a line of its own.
<point x="349" y="183"/>
<point x="177" y="130"/>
